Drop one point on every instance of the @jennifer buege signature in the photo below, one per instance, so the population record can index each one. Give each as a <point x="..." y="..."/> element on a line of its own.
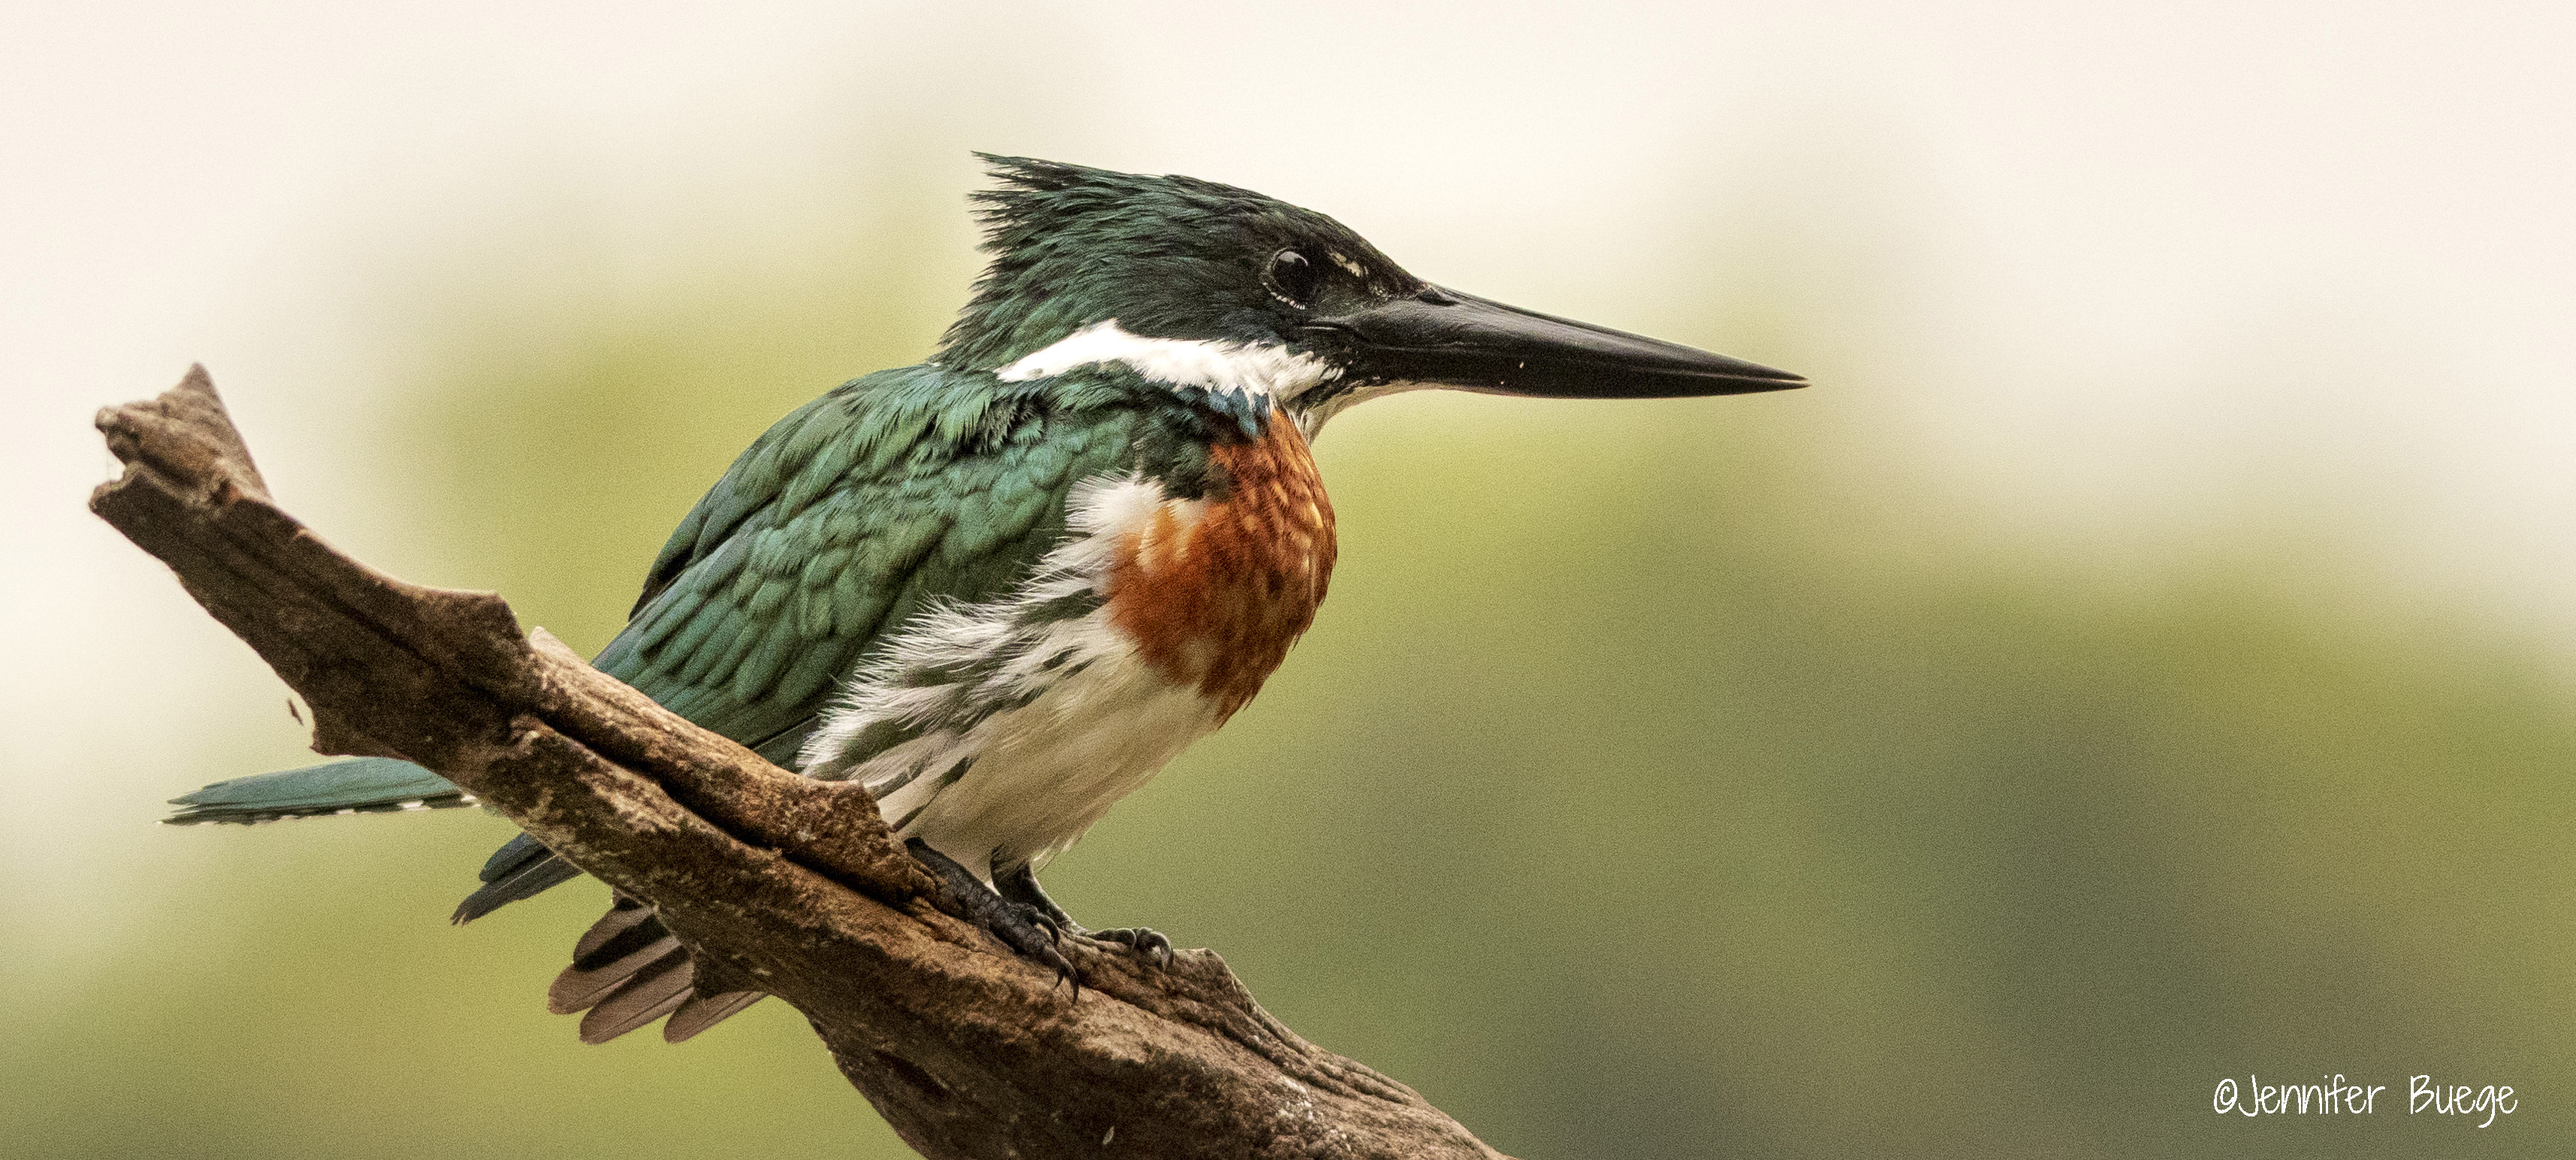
<point x="2334" y="1095"/>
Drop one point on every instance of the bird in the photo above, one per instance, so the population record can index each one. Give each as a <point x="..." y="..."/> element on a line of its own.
<point x="1003" y="587"/>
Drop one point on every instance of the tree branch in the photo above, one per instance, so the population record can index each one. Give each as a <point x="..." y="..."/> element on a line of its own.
<point x="776" y="882"/>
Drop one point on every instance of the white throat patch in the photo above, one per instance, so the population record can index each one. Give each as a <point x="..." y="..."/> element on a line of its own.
<point x="1270" y="371"/>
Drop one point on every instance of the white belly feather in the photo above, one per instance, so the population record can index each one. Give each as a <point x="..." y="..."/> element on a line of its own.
<point x="1044" y="772"/>
<point x="999" y="732"/>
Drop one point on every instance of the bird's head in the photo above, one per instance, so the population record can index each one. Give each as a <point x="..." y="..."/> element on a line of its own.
<point x="1198" y="284"/>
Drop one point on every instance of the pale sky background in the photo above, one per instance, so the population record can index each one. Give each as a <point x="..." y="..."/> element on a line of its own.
<point x="2119" y="271"/>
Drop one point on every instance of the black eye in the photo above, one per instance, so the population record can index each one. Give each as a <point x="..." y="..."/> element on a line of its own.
<point x="1292" y="278"/>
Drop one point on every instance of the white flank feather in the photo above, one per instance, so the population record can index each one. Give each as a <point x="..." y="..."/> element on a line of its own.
<point x="1046" y="724"/>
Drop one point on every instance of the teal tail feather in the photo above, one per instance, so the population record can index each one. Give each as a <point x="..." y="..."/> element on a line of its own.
<point x="365" y="785"/>
<point x="628" y="971"/>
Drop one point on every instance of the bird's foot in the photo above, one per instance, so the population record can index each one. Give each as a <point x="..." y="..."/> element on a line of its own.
<point x="1144" y="940"/>
<point x="1020" y="885"/>
<point x="1026" y="929"/>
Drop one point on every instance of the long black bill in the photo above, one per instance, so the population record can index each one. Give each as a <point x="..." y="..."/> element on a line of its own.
<point x="1445" y="338"/>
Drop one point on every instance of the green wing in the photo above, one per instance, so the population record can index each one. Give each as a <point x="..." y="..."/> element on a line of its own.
<point x="840" y="523"/>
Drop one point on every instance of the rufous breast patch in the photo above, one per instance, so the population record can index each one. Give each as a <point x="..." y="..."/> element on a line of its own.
<point x="1214" y="591"/>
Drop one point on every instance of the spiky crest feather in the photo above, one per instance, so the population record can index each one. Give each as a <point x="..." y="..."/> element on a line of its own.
<point x="1166" y="256"/>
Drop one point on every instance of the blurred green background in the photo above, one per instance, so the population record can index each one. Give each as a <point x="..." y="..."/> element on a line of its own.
<point x="1751" y="777"/>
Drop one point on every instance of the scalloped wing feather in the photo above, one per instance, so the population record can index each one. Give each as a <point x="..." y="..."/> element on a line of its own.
<point x="844" y="519"/>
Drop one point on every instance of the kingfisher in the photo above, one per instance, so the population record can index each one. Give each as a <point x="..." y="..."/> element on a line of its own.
<point x="1003" y="587"/>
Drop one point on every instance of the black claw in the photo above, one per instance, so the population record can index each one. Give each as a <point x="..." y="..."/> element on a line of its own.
<point x="1064" y="972"/>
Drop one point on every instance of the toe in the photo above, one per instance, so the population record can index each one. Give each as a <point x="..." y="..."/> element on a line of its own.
<point x="1038" y="918"/>
<point x="1145" y="940"/>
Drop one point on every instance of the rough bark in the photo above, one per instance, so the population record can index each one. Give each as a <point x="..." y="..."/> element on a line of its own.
<point x="780" y="883"/>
